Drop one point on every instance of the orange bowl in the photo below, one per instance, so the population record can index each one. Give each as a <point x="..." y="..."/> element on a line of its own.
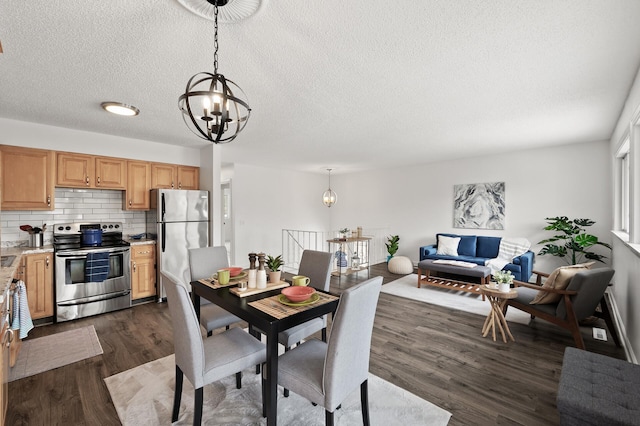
<point x="234" y="271"/>
<point x="298" y="293"/>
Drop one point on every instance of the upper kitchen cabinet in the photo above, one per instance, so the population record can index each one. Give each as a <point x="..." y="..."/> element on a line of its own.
<point x="28" y="178"/>
<point x="171" y="176"/>
<point x="188" y="177"/>
<point x="136" y="196"/>
<point x="88" y="171"/>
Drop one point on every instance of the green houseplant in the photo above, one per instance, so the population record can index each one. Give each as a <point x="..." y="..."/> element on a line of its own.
<point x="574" y="241"/>
<point x="274" y="264"/>
<point x="392" y="245"/>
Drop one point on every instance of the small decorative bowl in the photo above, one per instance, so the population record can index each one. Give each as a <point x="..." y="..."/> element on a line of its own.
<point x="234" y="271"/>
<point x="298" y="293"/>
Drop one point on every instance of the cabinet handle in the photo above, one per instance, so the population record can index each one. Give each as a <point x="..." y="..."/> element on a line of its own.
<point x="179" y="185"/>
<point x="129" y="202"/>
<point x="134" y="266"/>
<point x="87" y="180"/>
<point x="49" y="200"/>
<point x="98" y="180"/>
<point x="47" y="262"/>
<point x="172" y="185"/>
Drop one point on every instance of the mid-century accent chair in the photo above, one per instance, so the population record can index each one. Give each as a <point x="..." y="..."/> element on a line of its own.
<point x="325" y="373"/>
<point x="578" y="301"/>
<point x="203" y="263"/>
<point x="207" y="360"/>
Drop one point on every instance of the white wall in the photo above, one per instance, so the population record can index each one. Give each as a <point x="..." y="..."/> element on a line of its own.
<point x="417" y="202"/>
<point x="626" y="257"/>
<point x="267" y="200"/>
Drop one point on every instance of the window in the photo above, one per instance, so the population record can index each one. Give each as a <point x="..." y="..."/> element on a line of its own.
<point x="624" y="195"/>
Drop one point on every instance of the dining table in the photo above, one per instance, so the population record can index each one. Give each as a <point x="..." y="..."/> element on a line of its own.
<point x="263" y="311"/>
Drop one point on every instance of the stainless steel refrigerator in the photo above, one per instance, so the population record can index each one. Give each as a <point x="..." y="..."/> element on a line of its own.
<point x="180" y="221"/>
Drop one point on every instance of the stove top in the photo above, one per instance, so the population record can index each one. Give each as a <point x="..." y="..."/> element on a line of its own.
<point x="68" y="236"/>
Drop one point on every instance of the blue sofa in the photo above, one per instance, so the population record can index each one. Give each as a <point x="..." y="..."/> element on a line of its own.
<point x="478" y="249"/>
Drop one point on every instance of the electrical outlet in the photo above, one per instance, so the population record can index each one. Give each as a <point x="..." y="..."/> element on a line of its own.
<point x="599" y="333"/>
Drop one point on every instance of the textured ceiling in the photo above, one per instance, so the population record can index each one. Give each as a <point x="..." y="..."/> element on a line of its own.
<point x="351" y="85"/>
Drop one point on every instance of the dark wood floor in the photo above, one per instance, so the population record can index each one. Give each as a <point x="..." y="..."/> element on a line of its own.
<point x="434" y="352"/>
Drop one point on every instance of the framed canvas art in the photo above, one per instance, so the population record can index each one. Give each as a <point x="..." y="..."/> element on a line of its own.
<point x="478" y="205"/>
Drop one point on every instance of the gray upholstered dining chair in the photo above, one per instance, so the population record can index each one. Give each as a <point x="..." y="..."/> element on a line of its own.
<point x="575" y="303"/>
<point x="327" y="372"/>
<point x="317" y="266"/>
<point x="205" y="360"/>
<point x="203" y="263"/>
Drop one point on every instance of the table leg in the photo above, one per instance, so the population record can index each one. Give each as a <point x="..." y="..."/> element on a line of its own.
<point x="504" y="320"/>
<point x="419" y="276"/>
<point x="272" y="378"/>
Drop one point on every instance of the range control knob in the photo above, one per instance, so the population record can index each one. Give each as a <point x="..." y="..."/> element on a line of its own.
<point x="60" y="228"/>
<point x="68" y="228"/>
<point x="104" y="226"/>
<point x="117" y="226"/>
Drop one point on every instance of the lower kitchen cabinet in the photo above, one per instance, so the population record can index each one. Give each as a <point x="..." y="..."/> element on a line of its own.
<point x="38" y="278"/>
<point x="143" y="271"/>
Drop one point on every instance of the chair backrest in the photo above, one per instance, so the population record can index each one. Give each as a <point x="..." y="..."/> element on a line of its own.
<point x="347" y="362"/>
<point x="317" y="266"/>
<point x="187" y="340"/>
<point x="205" y="261"/>
<point x="590" y="285"/>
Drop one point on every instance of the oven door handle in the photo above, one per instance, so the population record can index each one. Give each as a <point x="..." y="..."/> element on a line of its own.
<point x="77" y="255"/>
<point x="92" y="299"/>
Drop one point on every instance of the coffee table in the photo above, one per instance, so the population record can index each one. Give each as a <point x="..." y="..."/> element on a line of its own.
<point x="427" y="266"/>
<point x="497" y="299"/>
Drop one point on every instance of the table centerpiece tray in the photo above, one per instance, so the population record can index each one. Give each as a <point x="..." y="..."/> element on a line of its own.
<point x="252" y="291"/>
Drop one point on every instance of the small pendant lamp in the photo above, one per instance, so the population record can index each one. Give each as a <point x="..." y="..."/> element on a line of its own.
<point x="329" y="197"/>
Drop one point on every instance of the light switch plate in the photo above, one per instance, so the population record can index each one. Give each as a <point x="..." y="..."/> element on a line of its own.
<point x="599" y="333"/>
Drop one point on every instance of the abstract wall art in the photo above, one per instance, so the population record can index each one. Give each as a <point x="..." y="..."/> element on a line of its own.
<point x="479" y="205"/>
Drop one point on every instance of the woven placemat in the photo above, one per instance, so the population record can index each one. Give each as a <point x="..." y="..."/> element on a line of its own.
<point x="272" y="306"/>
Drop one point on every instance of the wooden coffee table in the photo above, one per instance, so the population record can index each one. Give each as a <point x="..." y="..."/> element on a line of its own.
<point x="497" y="299"/>
<point x="427" y="266"/>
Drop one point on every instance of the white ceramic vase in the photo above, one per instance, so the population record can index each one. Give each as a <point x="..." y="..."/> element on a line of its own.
<point x="504" y="287"/>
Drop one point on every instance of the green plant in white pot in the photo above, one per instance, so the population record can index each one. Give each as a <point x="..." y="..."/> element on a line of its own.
<point x="274" y="264"/>
<point x="504" y="280"/>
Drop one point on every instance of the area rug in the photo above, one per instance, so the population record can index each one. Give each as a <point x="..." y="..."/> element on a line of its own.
<point x="144" y="396"/>
<point x="407" y="287"/>
<point x="57" y="350"/>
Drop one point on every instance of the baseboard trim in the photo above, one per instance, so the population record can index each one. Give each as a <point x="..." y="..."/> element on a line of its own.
<point x="617" y="319"/>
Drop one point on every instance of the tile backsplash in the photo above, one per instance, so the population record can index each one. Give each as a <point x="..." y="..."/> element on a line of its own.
<point x="72" y="205"/>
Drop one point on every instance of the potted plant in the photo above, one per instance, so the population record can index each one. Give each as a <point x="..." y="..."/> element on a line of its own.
<point x="274" y="264"/>
<point x="343" y="234"/>
<point x="575" y="240"/>
<point x="392" y="246"/>
<point x="504" y="280"/>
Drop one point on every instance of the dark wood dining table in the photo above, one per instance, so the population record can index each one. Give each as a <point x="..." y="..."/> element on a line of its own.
<point x="268" y="324"/>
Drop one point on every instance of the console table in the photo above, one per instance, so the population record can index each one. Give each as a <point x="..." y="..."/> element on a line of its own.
<point x="351" y="246"/>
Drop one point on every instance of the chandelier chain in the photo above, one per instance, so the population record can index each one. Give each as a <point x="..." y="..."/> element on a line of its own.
<point x="215" y="41"/>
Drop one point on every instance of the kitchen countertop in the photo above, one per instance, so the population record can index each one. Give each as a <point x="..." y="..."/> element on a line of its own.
<point x="139" y="242"/>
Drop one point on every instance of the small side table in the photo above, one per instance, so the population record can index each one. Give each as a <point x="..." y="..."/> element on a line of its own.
<point x="497" y="299"/>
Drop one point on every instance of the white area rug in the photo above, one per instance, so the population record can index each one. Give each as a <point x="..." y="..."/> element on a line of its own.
<point x="144" y="396"/>
<point x="57" y="350"/>
<point x="407" y="287"/>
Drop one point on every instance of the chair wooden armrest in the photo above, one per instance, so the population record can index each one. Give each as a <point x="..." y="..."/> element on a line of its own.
<point x="539" y="276"/>
<point x="546" y="290"/>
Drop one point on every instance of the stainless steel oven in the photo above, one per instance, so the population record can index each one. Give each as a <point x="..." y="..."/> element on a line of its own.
<point x="77" y="297"/>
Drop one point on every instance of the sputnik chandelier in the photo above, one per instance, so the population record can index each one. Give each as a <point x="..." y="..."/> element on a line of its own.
<point x="212" y="106"/>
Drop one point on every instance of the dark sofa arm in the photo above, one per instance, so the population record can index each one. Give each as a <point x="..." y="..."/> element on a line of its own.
<point x="427" y="251"/>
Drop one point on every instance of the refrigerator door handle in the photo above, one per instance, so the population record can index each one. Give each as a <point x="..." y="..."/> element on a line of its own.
<point x="163" y="210"/>
<point x="164" y="235"/>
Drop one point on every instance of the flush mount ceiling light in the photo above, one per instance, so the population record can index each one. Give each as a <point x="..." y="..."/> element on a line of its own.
<point x="120" y="108"/>
<point x="329" y="197"/>
<point x="212" y="106"/>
